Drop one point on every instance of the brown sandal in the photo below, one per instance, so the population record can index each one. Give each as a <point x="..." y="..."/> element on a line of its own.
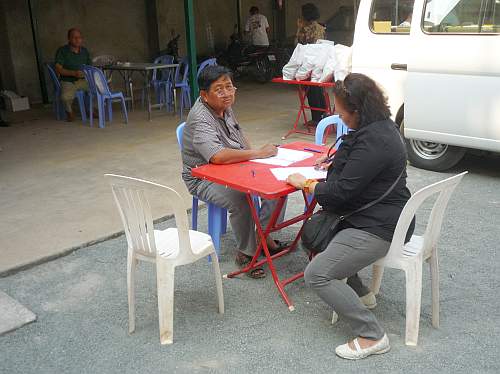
<point x="243" y="260"/>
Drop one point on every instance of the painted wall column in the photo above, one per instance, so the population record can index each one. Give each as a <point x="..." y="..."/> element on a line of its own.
<point x="191" y="47"/>
<point x="38" y="52"/>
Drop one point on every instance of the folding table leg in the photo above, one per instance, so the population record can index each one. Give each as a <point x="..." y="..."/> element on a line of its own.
<point x="302" y="93"/>
<point x="262" y="245"/>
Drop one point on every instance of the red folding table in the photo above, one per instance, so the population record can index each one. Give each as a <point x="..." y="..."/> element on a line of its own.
<point x="302" y="88"/>
<point x="256" y="179"/>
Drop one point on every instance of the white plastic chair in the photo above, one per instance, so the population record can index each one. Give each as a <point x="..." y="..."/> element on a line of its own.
<point x="411" y="256"/>
<point x="167" y="248"/>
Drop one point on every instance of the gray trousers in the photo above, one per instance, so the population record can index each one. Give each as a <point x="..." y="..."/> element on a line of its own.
<point x="349" y="251"/>
<point x="240" y="216"/>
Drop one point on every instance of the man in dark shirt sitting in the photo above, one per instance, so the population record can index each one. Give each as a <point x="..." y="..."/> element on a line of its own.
<point x="68" y="63"/>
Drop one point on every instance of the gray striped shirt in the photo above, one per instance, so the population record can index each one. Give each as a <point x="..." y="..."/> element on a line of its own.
<point x="206" y="134"/>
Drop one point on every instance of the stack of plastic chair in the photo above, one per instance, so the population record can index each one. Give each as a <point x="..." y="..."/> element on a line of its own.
<point x="105" y="97"/>
<point x="58" y="104"/>
<point x="167" y="249"/>
<point x="181" y="81"/>
<point x="204" y="64"/>
<point x="217" y="216"/>
<point x="162" y="83"/>
<point x="93" y="94"/>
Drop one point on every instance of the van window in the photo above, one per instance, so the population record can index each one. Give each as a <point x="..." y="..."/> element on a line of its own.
<point x="462" y="16"/>
<point x="391" y="16"/>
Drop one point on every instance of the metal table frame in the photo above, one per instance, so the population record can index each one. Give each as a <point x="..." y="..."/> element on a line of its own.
<point x="126" y="70"/>
<point x="302" y="88"/>
<point x="240" y="176"/>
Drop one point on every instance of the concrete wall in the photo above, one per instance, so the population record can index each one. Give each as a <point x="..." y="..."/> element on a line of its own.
<point x="7" y="76"/>
<point x="221" y="14"/>
<point x="108" y="26"/>
<point x="22" y="55"/>
<point x="120" y="28"/>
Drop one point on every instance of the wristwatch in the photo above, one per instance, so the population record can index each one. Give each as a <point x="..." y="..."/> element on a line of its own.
<point x="307" y="185"/>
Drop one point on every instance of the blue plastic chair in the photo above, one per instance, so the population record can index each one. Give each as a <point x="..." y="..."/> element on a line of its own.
<point x="162" y="83"/>
<point x="58" y="104"/>
<point x="217" y="216"/>
<point x="87" y="71"/>
<point x="327" y="122"/>
<point x="181" y="81"/>
<point x="106" y="97"/>
<point x="320" y="134"/>
<point x="204" y="64"/>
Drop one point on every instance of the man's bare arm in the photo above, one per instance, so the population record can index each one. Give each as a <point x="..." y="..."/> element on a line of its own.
<point x="231" y="156"/>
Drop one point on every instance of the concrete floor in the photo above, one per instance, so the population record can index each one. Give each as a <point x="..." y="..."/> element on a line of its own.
<point x="53" y="196"/>
<point x="81" y="303"/>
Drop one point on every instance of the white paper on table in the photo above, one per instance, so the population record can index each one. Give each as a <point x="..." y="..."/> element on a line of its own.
<point x="285" y="157"/>
<point x="309" y="172"/>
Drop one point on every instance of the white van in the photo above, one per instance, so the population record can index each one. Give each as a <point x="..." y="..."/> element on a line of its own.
<point x="439" y="64"/>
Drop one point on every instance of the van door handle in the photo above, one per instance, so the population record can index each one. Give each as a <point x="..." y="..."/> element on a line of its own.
<point x="399" y="67"/>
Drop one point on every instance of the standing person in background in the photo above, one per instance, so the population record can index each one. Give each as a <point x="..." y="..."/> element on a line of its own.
<point x="308" y="32"/>
<point x="258" y="28"/>
<point x="68" y="63"/>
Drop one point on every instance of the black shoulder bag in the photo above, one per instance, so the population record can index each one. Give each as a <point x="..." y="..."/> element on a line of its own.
<point x="321" y="227"/>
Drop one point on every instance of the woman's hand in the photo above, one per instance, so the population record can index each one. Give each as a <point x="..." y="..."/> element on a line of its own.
<point x="297" y="180"/>
<point x="321" y="160"/>
<point x="321" y="164"/>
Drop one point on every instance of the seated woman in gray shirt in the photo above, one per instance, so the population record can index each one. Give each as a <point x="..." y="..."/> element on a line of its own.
<point x="213" y="135"/>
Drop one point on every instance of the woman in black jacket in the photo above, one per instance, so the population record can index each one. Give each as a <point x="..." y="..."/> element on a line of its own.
<point x="369" y="161"/>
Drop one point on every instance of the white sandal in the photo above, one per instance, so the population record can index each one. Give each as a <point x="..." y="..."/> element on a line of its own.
<point x="344" y="351"/>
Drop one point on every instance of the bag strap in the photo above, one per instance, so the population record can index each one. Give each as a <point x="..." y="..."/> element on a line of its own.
<point x="372" y="203"/>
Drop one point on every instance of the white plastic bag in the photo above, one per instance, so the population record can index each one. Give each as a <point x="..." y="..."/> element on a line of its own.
<point x="290" y="69"/>
<point x="344" y="61"/>
<point x="327" y="49"/>
<point x="330" y="66"/>
<point x="312" y="53"/>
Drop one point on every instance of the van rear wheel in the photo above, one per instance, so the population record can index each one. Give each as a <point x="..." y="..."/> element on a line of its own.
<point x="433" y="156"/>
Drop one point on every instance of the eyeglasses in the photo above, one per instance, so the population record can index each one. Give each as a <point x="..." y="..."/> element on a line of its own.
<point x="223" y="91"/>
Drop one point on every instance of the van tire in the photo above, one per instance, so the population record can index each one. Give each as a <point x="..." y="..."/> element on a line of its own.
<point x="418" y="155"/>
<point x="432" y="156"/>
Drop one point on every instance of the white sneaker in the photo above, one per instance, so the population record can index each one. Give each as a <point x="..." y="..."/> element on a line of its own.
<point x="369" y="300"/>
<point x="344" y="351"/>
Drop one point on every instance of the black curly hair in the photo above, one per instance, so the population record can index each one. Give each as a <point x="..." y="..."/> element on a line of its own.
<point x="361" y="94"/>
<point x="310" y="12"/>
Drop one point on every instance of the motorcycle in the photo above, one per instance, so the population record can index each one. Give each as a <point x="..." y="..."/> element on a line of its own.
<point x="263" y="63"/>
<point x="172" y="48"/>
